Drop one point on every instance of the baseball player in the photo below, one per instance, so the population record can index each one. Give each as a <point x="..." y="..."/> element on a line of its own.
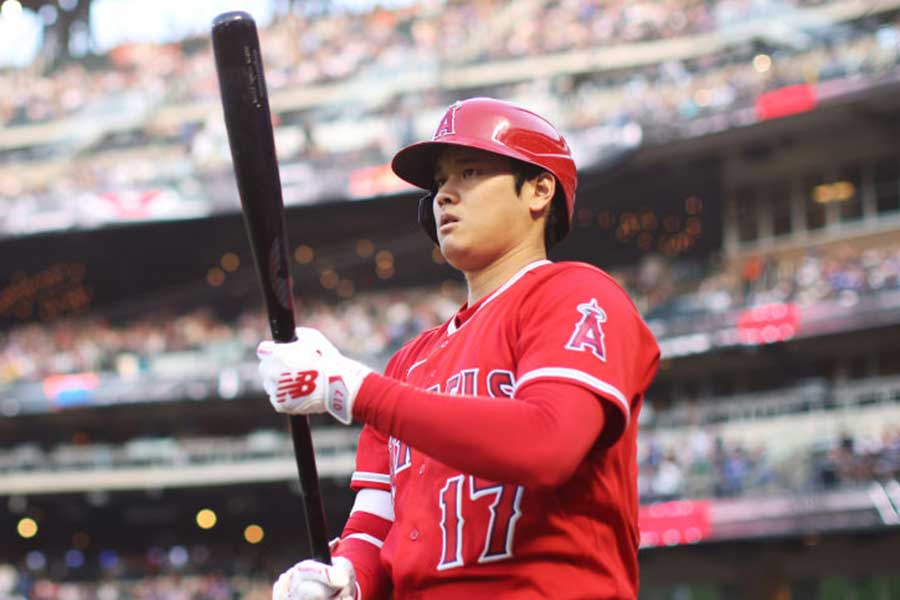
<point x="498" y="456"/>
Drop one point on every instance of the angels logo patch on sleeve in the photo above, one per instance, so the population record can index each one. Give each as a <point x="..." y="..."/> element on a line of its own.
<point x="588" y="333"/>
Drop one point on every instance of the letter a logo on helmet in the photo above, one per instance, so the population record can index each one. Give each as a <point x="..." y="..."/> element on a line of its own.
<point x="446" y="126"/>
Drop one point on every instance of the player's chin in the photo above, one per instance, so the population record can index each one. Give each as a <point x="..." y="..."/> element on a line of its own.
<point x="461" y="256"/>
<point x="454" y="252"/>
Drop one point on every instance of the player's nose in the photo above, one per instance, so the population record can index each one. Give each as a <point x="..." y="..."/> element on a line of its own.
<point x="445" y="195"/>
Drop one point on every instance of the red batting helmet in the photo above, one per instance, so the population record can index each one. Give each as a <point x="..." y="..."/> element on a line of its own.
<point x="495" y="126"/>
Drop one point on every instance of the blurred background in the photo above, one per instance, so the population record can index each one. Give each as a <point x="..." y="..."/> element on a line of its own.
<point x="739" y="175"/>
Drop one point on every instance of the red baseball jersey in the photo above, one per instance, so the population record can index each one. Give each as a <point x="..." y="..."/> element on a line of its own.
<point x="456" y="535"/>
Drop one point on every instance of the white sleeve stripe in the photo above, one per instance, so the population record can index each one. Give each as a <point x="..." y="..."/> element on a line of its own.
<point x="366" y="538"/>
<point x="375" y="502"/>
<point x="601" y="386"/>
<point x="371" y="477"/>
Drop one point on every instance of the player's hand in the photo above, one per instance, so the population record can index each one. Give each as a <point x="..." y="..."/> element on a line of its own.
<point x="311" y="580"/>
<point x="310" y="376"/>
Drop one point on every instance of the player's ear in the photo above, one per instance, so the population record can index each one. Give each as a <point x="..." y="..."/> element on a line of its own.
<point x="541" y="191"/>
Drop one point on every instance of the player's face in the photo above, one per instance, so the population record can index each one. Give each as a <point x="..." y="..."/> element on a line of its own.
<point x="479" y="215"/>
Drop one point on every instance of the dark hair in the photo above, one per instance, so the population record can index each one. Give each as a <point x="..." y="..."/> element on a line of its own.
<point x="557" y="224"/>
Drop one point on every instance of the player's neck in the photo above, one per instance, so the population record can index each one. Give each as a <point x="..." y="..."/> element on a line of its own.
<point x="484" y="281"/>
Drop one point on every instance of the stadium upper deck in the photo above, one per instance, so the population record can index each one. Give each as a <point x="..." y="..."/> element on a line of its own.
<point x="143" y="140"/>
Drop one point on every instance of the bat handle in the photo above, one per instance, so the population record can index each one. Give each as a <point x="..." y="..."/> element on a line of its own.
<point x="309" y="478"/>
<point x="282" y="326"/>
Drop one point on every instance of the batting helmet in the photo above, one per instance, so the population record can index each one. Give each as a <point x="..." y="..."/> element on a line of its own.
<point x="495" y="126"/>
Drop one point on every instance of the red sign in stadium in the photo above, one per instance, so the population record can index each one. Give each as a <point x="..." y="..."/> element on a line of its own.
<point x="786" y="101"/>
<point x="372" y="181"/>
<point x="768" y="323"/>
<point x="674" y="523"/>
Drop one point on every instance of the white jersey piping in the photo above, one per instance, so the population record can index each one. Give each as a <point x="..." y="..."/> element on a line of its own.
<point x="451" y="326"/>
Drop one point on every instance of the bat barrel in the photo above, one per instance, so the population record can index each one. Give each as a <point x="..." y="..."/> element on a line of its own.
<point x="249" y="123"/>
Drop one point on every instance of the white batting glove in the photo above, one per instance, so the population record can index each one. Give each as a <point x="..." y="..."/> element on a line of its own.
<point x="310" y="376"/>
<point x="311" y="580"/>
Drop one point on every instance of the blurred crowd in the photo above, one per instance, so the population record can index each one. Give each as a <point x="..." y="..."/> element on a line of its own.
<point x="21" y="585"/>
<point x="674" y="91"/>
<point x="706" y="467"/>
<point x="664" y="289"/>
<point x="372" y="326"/>
<point x="709" y="466"/>
<point x="857" y="460"/>
<point x="161" y="587"/>
<point x="700" y="461"/>
<point x="302" y="49"/>
<point x="659" y="98"/>
<point x="843" y="276"/>
<point x="709" y="462"/>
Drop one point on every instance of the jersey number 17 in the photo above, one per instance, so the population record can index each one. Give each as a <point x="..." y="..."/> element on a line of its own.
<point x="457" y="503"/>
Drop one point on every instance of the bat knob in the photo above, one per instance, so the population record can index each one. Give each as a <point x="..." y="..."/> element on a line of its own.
<point x="232" y="17"/>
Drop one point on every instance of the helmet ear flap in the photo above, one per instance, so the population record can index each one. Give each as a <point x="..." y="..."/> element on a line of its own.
<point x="426" y="216"/>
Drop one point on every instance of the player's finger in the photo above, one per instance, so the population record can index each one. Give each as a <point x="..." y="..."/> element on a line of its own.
<point x="264" y="348"/>
<point x="282" y="588"/>
<point x="270" y="368"/>
<point x="294" y="355"/>
<point x="313" y="339"/>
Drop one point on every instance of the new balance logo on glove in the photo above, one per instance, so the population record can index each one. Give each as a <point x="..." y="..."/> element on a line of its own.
<point x="293" y="385"/>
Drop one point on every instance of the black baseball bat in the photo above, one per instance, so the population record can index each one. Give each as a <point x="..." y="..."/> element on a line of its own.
<point x="249" y="123"/>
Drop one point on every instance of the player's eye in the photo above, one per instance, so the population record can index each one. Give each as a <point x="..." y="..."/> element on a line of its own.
<point x="467" y="173"/>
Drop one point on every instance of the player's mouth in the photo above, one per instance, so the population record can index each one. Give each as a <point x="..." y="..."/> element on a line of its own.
<point x="447" y="221"/>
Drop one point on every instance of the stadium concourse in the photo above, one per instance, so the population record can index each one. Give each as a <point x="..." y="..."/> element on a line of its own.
<point x="740" y="179"/>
